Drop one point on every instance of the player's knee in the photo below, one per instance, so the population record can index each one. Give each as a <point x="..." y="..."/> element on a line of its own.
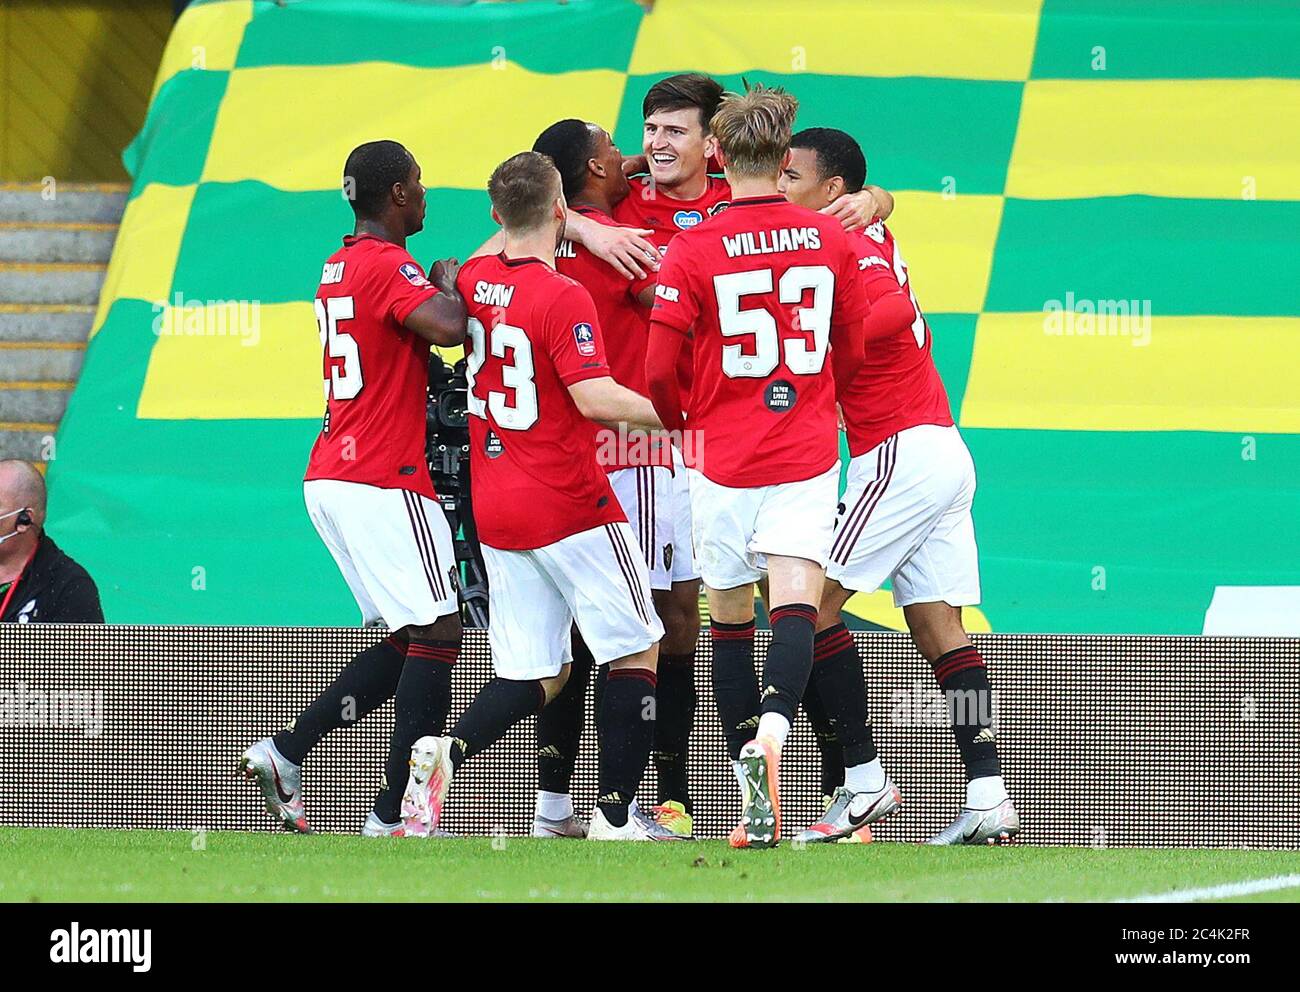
<point x="829" y="611"/>
<point x="647" y="659"/>
<point x="552" y="687"/>
<point x="447" y="628"/>
<point x="936" y="629"/>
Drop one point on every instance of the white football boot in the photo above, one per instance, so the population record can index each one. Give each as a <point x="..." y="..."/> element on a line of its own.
<point x="280" y="781"/>
<point x="981" y="826"/>
<point x="570" y="827"/>
<point x="426" y="787"/>
<point x="638" y="827"/>
<point x="375" y="827"/>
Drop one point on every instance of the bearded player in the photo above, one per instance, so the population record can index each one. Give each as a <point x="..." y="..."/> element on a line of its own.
<point x="556" y="543"/>
<point x="771" y="294"/>
<point x="368" y="490"/>
<point x="906" y="517"/>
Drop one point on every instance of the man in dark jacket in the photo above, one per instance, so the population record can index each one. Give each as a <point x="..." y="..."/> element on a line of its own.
<point x="38" y="582"/>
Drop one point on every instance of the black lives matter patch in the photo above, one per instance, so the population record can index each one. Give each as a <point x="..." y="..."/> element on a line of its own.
<point x="779" y="396"/>
<point x="492" y="445"/>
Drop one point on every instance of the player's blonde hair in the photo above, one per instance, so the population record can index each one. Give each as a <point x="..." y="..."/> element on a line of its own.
<point x="523" y="189"/>
<point x="754" y="129"/>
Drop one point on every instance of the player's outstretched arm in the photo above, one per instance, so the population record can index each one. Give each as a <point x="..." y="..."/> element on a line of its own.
<point x="857" y="210"/>
<point x="661" y="374"/>
<point x="606" y="402"/>
<point x="441" y="319"/>
<point x="625" y="248"/>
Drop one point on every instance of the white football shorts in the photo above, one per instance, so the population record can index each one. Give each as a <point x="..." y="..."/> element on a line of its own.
<point x="737" y="529"/>
<point x="393" y="546"/>
<point x="596" y="578"/>
<point x="906" y="516"/>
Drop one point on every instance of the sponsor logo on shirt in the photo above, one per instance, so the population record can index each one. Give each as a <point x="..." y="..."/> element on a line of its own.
<point x="667" y="293"/>
<point x="413" y="275"/>
<point x="870" y="260"/>
<point x="718" y="207"/>
<point x="492" y="444"/>
<point x="585" y="338"/>
<point x="687" y="218"/>
<point x="876" y="232"/>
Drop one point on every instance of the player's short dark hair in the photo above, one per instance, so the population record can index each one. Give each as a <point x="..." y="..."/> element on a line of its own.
<point x="522" y="189"/>
<point x="838" y="154"/>
<point x="371" y="172"/>
<point x="570" y="144"/>
<point x="686" y="89"/>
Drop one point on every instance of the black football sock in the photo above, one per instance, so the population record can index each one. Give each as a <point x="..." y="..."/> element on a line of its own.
<point x="734" y="686"/>
<point x="674" y="717"/>
<point x="828" y="745"/>
<point x="368" y="681"/>
<point x="789" y="658"/>
<point x="419" y="710"/>
<point x="965" y="683"/>
<point x="559" y="726"/>
<point x="626" y="727"/>
<point x="837" y="675"/>
<point x="498" y="706"/>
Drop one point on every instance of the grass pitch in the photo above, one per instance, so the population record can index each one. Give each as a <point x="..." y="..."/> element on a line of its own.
<point x="141" y="865"/>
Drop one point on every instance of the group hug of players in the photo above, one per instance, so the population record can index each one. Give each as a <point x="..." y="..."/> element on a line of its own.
<point x="748" y="319"/>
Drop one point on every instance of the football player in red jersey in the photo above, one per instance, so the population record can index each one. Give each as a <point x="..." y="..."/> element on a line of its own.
<point x="770" y="292"/>
<point x="641" y="476"/>
<point x="906" y="517"/>
<point x="557" y="546"/>
<point x="367" y="487"/>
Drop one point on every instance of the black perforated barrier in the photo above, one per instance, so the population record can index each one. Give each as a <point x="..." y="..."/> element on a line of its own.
<point x="1108" y="741"/>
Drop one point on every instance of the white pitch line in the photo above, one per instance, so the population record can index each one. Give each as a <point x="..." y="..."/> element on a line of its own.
<point x="1229" y="890"/>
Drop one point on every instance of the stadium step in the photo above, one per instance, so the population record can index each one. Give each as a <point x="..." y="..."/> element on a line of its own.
<point x="31" y="442"/>
<point x="32" y="323"/>
<point x="55" y="244"/>
<point x="33" y="402"/>
<point x="63" y="202"/>
<point x="22" y="361"/>
<point x="51" y="282"/>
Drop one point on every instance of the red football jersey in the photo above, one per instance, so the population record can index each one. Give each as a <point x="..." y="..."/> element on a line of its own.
<point x="532" y="333"/>
<point x="647" y="207"/>
<point x="376" y="371"/>
<point x="897" y="386"/>
<point x="624" y="331"/>
<point x="762" y="283"/>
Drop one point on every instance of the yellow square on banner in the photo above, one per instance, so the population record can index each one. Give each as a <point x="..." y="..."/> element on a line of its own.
<point x="1217" y="139"/>
<point x="293" y="127"/>
<point x="1107" y="367"/>
<point x="148" y="241"/>
<point x="238" y="360"/>
<point x="990" y="40"/>
<point x="947" y="244"/>
<point x="207" y="36"/>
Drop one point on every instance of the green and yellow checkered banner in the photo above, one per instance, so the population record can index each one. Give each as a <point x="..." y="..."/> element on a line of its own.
<point x="1099" y="203"/>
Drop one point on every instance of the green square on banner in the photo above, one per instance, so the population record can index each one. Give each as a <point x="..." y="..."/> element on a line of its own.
<point x="543" y="37"/>
<point x="1188" y="257"/>
<point x="916" y="133"/>
<point x="1186" y="39"/>
<point x="173" y="143"/>
<point x="279" y="259"/>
